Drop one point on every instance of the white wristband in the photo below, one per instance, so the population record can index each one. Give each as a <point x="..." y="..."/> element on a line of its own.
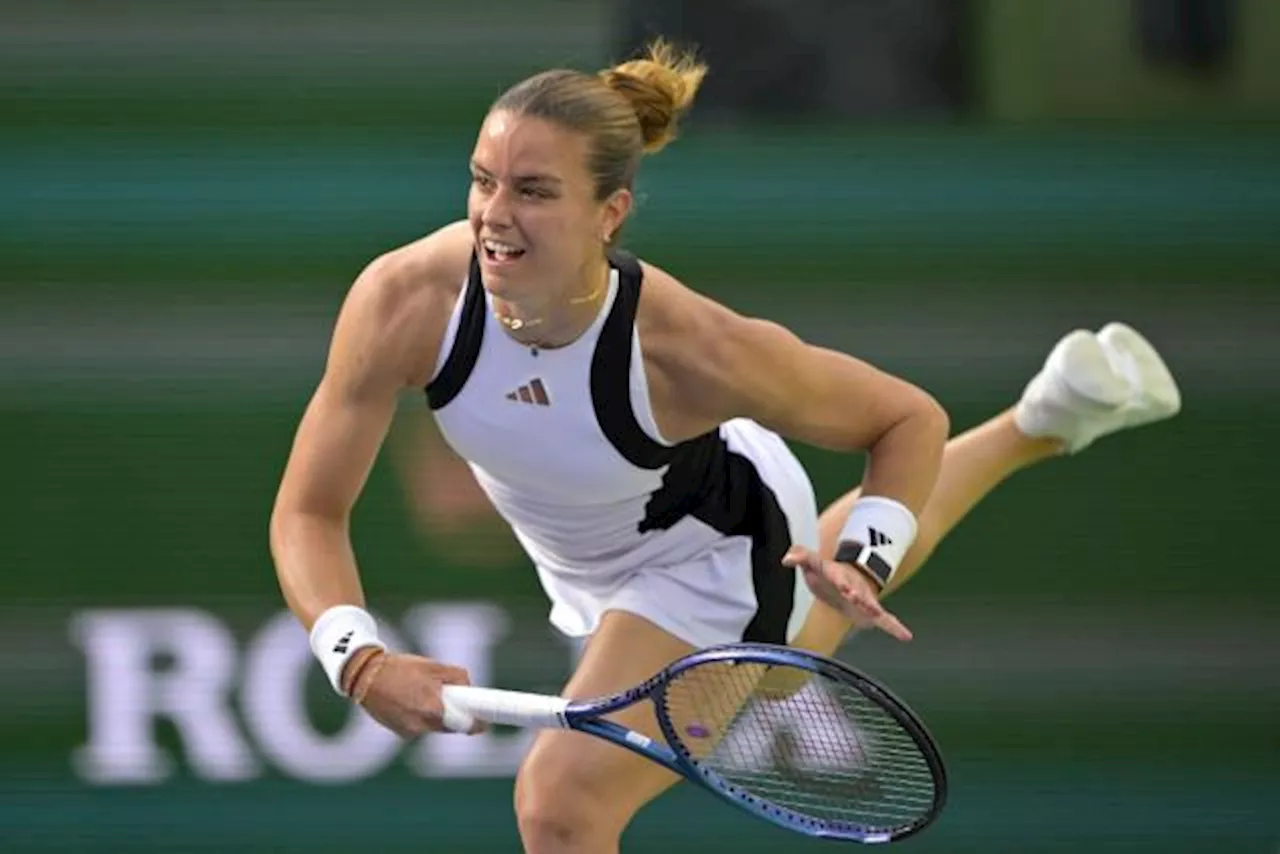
<point x="876" y="537"/>
<point x="338" y="634"/>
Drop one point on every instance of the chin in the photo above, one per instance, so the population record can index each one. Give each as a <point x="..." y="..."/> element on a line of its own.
<point x="505" y="281"/>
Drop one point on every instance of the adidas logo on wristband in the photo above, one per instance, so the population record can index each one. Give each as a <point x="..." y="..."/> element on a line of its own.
<point x="337" y="634"/>
<point x="343" y="643"/>
<point x="871" y="564"/>
<point x="877" y="538"/>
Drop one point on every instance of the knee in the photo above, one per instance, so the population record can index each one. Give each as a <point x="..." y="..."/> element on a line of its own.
<point x="559" y="810"/>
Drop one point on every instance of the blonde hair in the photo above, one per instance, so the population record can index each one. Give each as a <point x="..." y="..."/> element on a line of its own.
<point x="626" y="111"/>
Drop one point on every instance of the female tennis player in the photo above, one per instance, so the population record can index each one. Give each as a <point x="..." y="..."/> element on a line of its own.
<point x="631" y="431"/>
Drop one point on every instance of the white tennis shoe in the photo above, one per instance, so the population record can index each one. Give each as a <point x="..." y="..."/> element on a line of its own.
<point x="1095" y="384"/>
<point x="806" y="731"/>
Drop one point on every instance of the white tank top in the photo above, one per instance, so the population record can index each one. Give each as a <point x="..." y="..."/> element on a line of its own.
<point x="565" y="445"/>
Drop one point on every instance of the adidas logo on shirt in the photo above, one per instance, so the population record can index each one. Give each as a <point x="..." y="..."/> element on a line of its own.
<point x="532" y="392"/>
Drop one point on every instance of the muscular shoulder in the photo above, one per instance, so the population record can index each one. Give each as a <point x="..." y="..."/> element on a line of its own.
<point x="694" y="349"/>
<point x="712" y="364"/>
<point x="677" y="322"/>
<point x="393" y="319"/>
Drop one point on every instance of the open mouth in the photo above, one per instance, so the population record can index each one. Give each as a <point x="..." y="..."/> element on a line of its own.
<point x="498" y="252"/>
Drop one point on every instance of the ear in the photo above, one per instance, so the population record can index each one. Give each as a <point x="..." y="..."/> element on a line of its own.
<point x="614" y="212"/>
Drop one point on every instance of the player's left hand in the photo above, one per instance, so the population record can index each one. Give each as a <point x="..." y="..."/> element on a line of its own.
<point x="846" y="589"/>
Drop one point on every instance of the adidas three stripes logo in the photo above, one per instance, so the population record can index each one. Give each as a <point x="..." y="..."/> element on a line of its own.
<point x="343" y="643"/>
<point x="532" y="392"/>
<point x="878" y="539"/>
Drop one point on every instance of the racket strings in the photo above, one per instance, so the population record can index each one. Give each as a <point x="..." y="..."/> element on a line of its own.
<point x="801" y="741"/>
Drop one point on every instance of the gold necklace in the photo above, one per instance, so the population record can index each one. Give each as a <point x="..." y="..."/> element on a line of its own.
<point x="515" y="324"/>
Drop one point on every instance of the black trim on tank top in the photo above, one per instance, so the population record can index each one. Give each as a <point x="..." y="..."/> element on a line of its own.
<point x="611" y="372"/>
<point x="704" y="479"/>
<point x="466" y="343"/>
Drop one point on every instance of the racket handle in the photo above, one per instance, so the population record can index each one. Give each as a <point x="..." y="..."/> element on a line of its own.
<point x="456" y="720"/>
<point x="463" y="703"/>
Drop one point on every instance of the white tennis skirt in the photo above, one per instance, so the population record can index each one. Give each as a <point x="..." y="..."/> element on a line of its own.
<point x="734" y="588"/>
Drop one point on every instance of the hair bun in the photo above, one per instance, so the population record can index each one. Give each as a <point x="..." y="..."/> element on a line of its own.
<point x="660" y="88"/>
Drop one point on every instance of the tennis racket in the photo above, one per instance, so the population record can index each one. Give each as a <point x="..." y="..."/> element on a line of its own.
<point x="798" y="739"/>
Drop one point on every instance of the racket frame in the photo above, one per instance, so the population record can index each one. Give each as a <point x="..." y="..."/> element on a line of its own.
<point x="587" y="716"/>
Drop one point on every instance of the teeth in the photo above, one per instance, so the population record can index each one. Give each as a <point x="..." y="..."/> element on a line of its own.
<point x="501" y="250"/>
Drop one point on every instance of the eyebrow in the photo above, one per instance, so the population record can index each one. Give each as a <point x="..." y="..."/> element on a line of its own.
<point x="534" y="178"/>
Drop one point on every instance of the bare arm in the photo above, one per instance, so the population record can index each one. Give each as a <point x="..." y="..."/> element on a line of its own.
<point x="835" y="401"/>
<point x="721" y="365"/>
<point x="334" y="449"/>
<point x="385" y="339"/>
<point x="717" y="365"/>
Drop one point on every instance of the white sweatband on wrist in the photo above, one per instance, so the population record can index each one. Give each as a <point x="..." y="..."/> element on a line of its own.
<point x="338" y="634"/>
<point x="876" y="537"/>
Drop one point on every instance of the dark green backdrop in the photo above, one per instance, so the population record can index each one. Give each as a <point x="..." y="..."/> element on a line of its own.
<point x="1096" y="646"/>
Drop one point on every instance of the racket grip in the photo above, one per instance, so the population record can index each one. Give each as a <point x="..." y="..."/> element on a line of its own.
<point x="456" y="720"/>
<point x="463" y="703"/>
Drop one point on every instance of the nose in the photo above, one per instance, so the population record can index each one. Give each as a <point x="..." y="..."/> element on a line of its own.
<point x="497" y="210"/>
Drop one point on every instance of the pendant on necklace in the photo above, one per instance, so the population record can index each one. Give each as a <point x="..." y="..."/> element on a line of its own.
<point x="533" y="350"/>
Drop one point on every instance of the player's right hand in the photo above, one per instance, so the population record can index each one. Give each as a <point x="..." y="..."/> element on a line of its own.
<point x="402" y="693"/>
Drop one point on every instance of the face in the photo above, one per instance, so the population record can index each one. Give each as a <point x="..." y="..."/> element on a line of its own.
<point x="532" y="207"/>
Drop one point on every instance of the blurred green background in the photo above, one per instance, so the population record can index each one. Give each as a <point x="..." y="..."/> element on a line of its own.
<point x="186" y="190"/>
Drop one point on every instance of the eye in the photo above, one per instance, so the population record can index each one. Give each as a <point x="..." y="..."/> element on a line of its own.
<point x="536" y="193"/>
<point x="484" y="182"/>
